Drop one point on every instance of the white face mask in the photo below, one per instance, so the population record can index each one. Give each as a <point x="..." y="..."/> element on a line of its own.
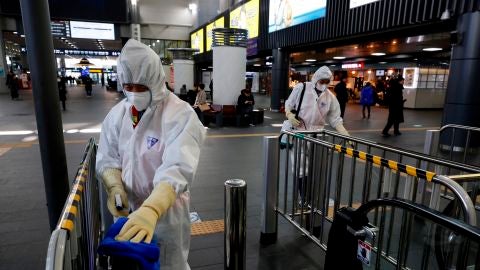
<point x="140" y="100"/>
<point x="322" y="87"/>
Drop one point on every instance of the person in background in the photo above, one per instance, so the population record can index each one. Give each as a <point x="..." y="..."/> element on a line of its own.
<point x="62" y="91"/>
<point x="148" y="154"/>
<point x="367" y="98"/>
<point x="12" y="84"/>
<point x="102" y="79"/>
<point x="245" y="104"/>
<point x="342" y="94"/>
<point x="201" y="97"/>
<point x="183" y="90"/>
<point x="395" y="106"/>
<point x="319" y="107"/>
<point x="88" y="86"/>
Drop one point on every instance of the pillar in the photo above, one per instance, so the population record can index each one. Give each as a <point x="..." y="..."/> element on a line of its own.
<point x="183" y="68"/>
<point x="229" y="64"/>
<point x="279" y="78"/>
<point x="3" y="67"/>
<point x="463" y="92"/>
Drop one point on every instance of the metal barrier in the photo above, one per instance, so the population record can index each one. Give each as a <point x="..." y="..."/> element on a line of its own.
<point x="454" y="142"/>
<point x="73" y="244"/>
<point x="319" y="175"/>
<point x="445" y="243"/>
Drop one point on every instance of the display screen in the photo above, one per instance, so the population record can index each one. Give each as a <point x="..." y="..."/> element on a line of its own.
<point x="286" y="13"/>
<point x="357" y="3"/>
<point x="84" y="10"/>
<point x="196" y="40"/>
<point x="60" y="28"/>
<point x="92" y="30"/>
<point x="246" y="17"/>
<point x="218" y="23"/>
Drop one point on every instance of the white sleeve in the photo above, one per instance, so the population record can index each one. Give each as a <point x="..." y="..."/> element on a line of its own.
<point x="333" y="116"/>
<point x="294" y="98"/>
<point x="107" y="152"/>
<point x="182" y="152"/>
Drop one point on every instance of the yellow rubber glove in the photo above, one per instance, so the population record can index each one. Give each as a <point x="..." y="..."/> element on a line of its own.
<point x="141" y="223"/>
<point x="112" y="180"/>
<point x="341" y="129"/>
<point x="291" y="117"/>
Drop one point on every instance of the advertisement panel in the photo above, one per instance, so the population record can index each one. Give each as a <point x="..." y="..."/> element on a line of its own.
<point x="357" y="3"/>
<point x="286" y="13"/>
<point x="218" y="23"/>
<point x="196" y="40"/>
<point x="246" y="17"/>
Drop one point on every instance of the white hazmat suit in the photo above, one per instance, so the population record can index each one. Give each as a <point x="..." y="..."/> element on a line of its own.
<point x="316" y="110"/>
<point x="163" y="148"/>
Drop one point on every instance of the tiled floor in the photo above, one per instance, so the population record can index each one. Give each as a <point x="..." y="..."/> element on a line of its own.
<point x="24" y="226"/>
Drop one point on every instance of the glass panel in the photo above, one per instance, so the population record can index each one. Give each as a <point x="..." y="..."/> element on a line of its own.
<point x="422" y="84"/>
<point x="430" y="84"/>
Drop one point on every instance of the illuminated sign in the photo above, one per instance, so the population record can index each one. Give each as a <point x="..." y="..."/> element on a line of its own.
<point x="196" y="40"/>
<point x="246" y="17"/>
<point x="92" y="30"/>
<point x="353" y="65"/>
<point x="286" y="13"/>
<point x="411" y="77"/>
<point x="219" y="23"/>
<point x="357" y="3"/>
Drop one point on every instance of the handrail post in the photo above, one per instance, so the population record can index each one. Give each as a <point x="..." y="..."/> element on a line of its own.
<point x="235" y="224"/>
<point x="269" y="217"/>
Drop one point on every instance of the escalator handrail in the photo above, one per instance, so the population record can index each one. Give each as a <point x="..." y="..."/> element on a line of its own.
<point x="455" y="225"/>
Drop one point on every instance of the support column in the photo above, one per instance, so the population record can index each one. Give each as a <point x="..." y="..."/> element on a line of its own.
<point x="279" y="77"/>
<point x="135" y="26"/>
<point x="36" y="23"/>
<point x="463" y="92"/>
<point x="229" y="64"/>
<point x="3" y="67"/>
<point x="183" y="68"/>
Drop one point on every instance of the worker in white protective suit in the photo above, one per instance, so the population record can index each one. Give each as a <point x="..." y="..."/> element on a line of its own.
<point x="148" y="155"/>
<point x="319" y="107"/>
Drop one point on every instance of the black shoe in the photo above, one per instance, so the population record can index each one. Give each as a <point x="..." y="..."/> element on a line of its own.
<point x="386" y="135"/>
<point x="398" y="133"/>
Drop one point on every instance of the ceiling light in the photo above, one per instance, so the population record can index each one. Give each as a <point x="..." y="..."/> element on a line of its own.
<point x="310" y="60"/>
<point x="192" y="7"/>
<point x="356" y="47"/>
<point x="332" y="65"/>
<point x="432" y="49"/>
<point x="22" y="35"/>
<point x="394" y="42"/>
<point x="382" y="63"/>
<point x="339" y="57"/>
<point x="158" y="40"/>
<point x="15" y="33"/>
<point x="378" y="54"/>
<point x="257" y="65"/>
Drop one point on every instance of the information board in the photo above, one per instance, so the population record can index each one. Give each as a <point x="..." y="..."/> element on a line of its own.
<point x="246" y="17"/>
<point x="218" y="23"/>
<point x="92" y="30"/>
<point x="196" y="40"/>
<point x="286" y="13"/>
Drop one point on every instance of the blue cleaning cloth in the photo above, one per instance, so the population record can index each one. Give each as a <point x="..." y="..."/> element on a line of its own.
<point x="146" y="255"/>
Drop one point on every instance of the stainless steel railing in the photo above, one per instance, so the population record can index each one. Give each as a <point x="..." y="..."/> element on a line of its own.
<point x="318" y="175"/>
<point x="73" y="244"/>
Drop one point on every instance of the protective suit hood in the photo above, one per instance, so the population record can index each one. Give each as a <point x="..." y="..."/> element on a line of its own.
<point x="138" y="64"/>
<point x="321" y="73"/>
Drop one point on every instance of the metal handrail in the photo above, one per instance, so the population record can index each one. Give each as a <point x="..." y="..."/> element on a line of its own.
<point x="459" y="127"/>
<point x="453" y="224"/>
<point x="76" y="232"/>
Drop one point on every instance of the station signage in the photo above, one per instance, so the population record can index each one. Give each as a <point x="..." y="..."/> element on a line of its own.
<point x="286" y="13"/>
<point x="81" y="52"/>
<point x="92" y="30"/>
<point x="357" y="3"/>
<point x="60" y="28"/>
<point x="352" y="65"/>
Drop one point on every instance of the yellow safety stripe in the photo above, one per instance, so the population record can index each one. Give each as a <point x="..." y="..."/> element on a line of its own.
<point x="73" y="202"/>
<point x="410" y="170"/>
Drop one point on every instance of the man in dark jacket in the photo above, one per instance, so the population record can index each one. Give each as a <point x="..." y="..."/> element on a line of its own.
<point x="395" y="106"/>
<point x="342" y="94"/>
<point x="245" y="104"/>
